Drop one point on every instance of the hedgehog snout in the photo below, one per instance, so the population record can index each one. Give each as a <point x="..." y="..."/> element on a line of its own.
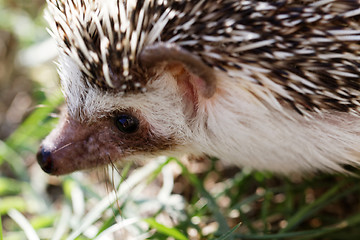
<point x="44" y="159"/>
<point x="84" y="144"/>
<point x="76" y="145"/>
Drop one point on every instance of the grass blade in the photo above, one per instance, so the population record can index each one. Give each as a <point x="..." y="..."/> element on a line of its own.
<point x="171" y="232"/>
<point x="1" y="233"/>
<point x="23" y="224"/>
<point x="307" y="210"/>
<point x="223" y="226"/>
<point x="230" y="233"/>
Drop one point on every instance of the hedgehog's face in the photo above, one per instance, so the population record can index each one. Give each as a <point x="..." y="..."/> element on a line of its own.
<point x="100" y="127"/>
<point x="107" y="59"/>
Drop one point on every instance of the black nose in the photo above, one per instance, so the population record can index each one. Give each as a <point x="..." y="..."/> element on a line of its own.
<point x="44" y="159"/>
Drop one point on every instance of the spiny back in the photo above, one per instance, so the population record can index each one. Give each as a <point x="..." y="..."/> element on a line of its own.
<point x="303" y="53"/>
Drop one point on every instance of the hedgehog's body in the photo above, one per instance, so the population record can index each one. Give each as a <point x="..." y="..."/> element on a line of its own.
<point x="268" y="84"/>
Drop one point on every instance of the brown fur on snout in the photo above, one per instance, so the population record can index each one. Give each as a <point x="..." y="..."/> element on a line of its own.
<point x="77" y="145"/>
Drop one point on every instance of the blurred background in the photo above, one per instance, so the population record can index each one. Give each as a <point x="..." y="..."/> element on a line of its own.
<point x="26" y="55"/>
<point x="28" y="90"/>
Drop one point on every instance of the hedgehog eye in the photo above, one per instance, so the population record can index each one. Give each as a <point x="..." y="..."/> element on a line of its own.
<point x="127" y="123"/>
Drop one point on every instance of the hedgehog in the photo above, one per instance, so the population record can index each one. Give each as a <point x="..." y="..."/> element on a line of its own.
<point x="272" y="85"/>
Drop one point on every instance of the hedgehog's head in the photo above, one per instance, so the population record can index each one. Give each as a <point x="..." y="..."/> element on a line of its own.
<point x="152" y="111"/>
<point x="128" y="95"/>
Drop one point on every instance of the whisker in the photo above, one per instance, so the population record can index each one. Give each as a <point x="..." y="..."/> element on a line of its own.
<point x="65" y="146"/>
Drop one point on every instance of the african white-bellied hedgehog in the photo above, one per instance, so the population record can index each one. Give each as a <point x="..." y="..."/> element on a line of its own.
<point x="272" y="85"/>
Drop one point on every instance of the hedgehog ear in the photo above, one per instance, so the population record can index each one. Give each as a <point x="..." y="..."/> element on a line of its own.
<point x="205" y="82"/>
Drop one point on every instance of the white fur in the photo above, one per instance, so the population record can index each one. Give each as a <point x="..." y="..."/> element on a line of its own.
<point x="233" y="125"/>
<point x="245" y="133"/>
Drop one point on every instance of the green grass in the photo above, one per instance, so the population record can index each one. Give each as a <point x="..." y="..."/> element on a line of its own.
<point x="161" y="199"/>
<point x="211" y="205"/>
